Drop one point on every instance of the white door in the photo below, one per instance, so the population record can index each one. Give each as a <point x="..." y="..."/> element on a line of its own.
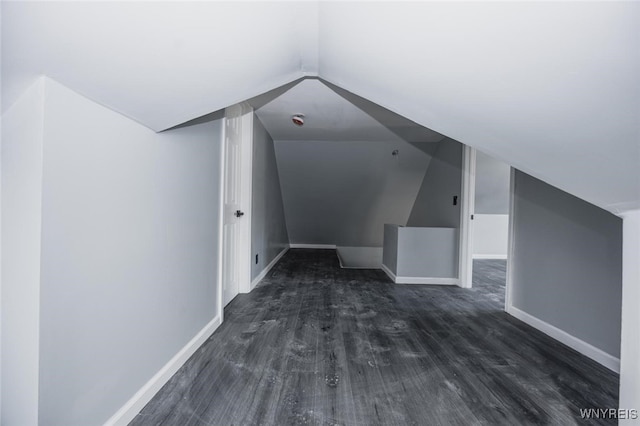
<point x="236" y="245"/>
<point x="232" y="195"/>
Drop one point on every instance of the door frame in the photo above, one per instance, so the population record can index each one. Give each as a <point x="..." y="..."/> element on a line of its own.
<point x="243" y="260"/>
<point x="510" y="240"/>
<point x="467" y="211"/>
<point x="467" y="207"/>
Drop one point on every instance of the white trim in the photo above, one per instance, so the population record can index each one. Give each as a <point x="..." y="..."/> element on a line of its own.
<point x="573" y="342"/>
<point x="490" y="256"/>
<point x="467" y="207"/>
<point x="630" y="339"/>
<point x="419" y="280"/>
<point x="266" y="270"/>
<point x="428" y="280"/>
<point x="246" y="183"/>
<point x="314" y="246"/>
<point x="137" y="402"/>
<point x="221" y="188"/>
<point x="510" y="240"/>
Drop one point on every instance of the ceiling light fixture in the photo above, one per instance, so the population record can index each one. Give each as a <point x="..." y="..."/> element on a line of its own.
<point x="298" y="119"/>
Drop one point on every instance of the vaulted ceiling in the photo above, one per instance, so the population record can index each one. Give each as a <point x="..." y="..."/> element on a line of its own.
<point x="552" y="88"/>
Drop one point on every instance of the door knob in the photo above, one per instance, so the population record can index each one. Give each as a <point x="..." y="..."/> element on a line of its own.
<point x="239" y="213"/>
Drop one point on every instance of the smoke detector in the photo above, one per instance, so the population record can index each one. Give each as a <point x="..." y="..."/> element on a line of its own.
<point x="298" y="119"/>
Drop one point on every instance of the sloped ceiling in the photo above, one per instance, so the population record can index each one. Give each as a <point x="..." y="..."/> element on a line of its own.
<point x="552" y="88"/>
<point x="159" y="63"/>
<point x="328" y="116"/>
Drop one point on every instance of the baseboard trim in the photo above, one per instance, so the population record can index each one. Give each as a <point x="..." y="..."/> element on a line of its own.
<point x="137" y="402"/>
<point x="313" y="246"/>
<point x="490" y="256"/>
<point x="586" y="349"/>
<point x="419" y="280"/>
<point x="428" y="280"/>
<point x="266" y="270"/>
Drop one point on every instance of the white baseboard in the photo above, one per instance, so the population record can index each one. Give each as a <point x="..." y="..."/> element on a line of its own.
<point x="419" y="280"/>
<point x="137" y="402"/>
<point x="266" y="270"/>
<point x="428" y="280"/>
<point x="586" y="349"/>
<point x="314" y="246"/>
<point x="490" y="256"/>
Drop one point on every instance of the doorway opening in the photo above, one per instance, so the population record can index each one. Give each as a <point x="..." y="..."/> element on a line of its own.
<point x="486" y="220"/>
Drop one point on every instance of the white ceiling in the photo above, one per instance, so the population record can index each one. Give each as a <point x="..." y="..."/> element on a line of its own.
<point x="552" y="88"/>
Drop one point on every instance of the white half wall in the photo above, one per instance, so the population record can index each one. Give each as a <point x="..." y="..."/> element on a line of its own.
<point x="490" y="236"/>
<point x="22" y="145"/>
<point x="630" y="345"/>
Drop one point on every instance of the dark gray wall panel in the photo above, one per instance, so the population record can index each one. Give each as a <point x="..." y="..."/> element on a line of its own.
<point x="567" y="263"/>
<point x="268" y="228"/>
<point x="434" y="205"/>
<point x="343" y="192"/>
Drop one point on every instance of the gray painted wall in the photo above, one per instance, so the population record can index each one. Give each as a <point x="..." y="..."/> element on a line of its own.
<point x="390" y="247"/>
<point x="433" y="206"/>
<point x="427" y="252"/>
<point x="567" y="263"/>
<point x="268" y="227"/>
<point x="342" y="193"/>
<point x="129" y="249"/>
<point x="492" y="185"/>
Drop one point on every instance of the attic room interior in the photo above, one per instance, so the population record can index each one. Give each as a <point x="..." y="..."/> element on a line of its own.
<point x="178" y="249"/>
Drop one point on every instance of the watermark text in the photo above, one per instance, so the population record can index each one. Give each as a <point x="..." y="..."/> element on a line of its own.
<point x="609" y="413"/>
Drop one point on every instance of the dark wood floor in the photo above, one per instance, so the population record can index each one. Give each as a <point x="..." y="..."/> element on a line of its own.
<point x="316" y="344"/>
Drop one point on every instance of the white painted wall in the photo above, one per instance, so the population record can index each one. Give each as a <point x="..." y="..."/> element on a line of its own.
<point x="127" y="251"/>
<point x="22" y="146"/>
<point x="343" y="192"/>
<point x="630" y="345"/>
<point x="490" y="236"/>
<point x="268" y="227"/>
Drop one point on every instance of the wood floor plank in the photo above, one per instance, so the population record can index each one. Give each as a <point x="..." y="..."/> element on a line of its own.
<point x="317" y="344"/>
